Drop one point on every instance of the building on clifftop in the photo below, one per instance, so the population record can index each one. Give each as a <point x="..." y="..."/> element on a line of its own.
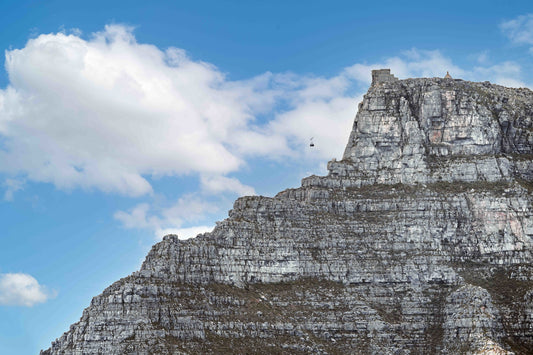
<point x="382" y="75"/>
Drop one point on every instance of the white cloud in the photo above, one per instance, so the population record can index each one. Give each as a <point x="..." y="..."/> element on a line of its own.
<point x="21" y="290"/>
<point x="220" y="184"/>
<point x="108" y="113"/>
<point x="105" y="113"/>
<point x="506" y="73"/>
<point x="329" y="122"/>
<point x="166" y="219"/>
<point x="189" y="208"/>
<point x="137" y="217"/>
<point x="519" y="30"/>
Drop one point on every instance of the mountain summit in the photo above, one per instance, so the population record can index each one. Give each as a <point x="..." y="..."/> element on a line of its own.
<point x="419" y="241"/>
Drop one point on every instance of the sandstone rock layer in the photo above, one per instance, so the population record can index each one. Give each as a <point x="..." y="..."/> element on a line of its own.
<point x="419" y="241"/>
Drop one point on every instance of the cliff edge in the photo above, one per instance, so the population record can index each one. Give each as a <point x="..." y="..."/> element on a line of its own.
<point x="420" y="240"/>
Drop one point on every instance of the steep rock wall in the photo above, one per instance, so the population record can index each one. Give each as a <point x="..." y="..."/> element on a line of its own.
<point x="419" y="241"/>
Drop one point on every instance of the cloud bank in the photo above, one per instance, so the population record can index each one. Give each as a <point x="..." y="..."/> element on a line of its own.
<point x="109" y="113"/>
<point x="21" y="290"/>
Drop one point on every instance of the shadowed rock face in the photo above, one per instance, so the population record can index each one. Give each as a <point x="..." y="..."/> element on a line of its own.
<point x="419" y="241"/>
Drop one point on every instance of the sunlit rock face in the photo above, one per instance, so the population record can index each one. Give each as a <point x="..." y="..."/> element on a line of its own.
<point x="419" y="241"/>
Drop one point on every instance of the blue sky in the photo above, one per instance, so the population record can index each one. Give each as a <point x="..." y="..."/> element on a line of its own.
<point x="122" y="121"/>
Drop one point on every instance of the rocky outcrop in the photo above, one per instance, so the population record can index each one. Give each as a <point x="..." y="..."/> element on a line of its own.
<point x="419" y="241"/>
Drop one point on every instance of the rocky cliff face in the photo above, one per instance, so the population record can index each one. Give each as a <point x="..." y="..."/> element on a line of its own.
<point x="419" y="241"/>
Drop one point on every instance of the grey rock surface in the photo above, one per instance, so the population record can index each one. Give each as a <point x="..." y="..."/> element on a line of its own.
<point x="419" y="241"/>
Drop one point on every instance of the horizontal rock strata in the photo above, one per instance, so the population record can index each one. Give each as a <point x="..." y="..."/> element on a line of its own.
<point x="419" y="241"/>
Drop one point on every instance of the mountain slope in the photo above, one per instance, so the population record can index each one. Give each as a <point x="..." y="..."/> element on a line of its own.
<point x="419" y="241"/>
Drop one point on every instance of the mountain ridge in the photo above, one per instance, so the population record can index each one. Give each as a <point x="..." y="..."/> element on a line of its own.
<point x="411" y="244"/>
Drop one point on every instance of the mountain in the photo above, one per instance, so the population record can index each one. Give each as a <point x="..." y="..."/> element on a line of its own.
<point x="419" y="241"/>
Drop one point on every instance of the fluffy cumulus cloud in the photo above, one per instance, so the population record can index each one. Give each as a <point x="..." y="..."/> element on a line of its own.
<point x="103" y="113"/>
<point x="21" y="290"/>
<point x="219" y="184"/>
<point x="109" y="113"/>
<point x="164" y="219"/>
